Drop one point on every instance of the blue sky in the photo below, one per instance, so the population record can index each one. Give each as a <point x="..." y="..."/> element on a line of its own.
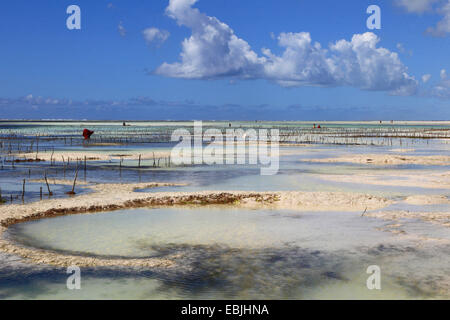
<point x="243" y="60"/>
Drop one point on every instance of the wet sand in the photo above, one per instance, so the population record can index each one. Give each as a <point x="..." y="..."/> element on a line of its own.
<point x="388" y="159"/>
<point x="412" y="179"/>
<point x="442" y="217"/>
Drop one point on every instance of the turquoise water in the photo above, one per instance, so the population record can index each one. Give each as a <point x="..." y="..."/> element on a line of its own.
<point x="139" y="232"/>
<point x="240" y="254"/>
<point x="225" y="252"/>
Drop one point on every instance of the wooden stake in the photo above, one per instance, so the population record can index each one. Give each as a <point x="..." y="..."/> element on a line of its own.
<point x="46" y="182"/>
<point x="74" y="182"/>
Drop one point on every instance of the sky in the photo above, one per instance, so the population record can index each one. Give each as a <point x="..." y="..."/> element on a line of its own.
<point x="225" y="60"/>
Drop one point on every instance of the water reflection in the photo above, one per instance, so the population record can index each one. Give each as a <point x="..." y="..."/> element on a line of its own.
<point x="236" y="254"/>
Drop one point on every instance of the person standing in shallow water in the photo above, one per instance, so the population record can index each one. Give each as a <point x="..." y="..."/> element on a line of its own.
<point x="87" y="134"/>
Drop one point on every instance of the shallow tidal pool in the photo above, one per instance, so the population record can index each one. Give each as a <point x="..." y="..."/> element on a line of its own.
<point x="233" y="253"/>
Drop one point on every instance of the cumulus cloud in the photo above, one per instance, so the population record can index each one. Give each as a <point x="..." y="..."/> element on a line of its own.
<point x="155" y="34"/>
<point x="442" y="28"/>
<point x="416" y="6"/>
<point x="214" y="51"/>
<point x="441" y="7"/>
<point x="442" y="89"/>
<point x="426" y="78"/>
<point x="357" y="63"/>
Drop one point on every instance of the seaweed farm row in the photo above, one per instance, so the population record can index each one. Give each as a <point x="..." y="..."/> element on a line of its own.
<point x="29" y="140"/>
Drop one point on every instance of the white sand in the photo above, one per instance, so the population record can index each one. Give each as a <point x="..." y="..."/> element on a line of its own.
<point x="410" y="179"/>
<point x="402" y="150"/>
<point x="441" y="218"/>
<point x="427" y="199"/>
<point x="387" y="159"/>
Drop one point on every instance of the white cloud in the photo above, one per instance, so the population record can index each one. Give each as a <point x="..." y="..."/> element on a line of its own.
<point x="426" y="78"/>
<point x="442" y="8"/>
<point x="302" y="62"/>
<point x="357" y="63"/>
<point x="121" y="29"/>
<point x="443" y="26"/>
<point x="213" y="51"/>
<point x="401" y="48"/>
<point x="442" y="89"/>
<point x="416" y="6"/>
<point x="155" y="34"/>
